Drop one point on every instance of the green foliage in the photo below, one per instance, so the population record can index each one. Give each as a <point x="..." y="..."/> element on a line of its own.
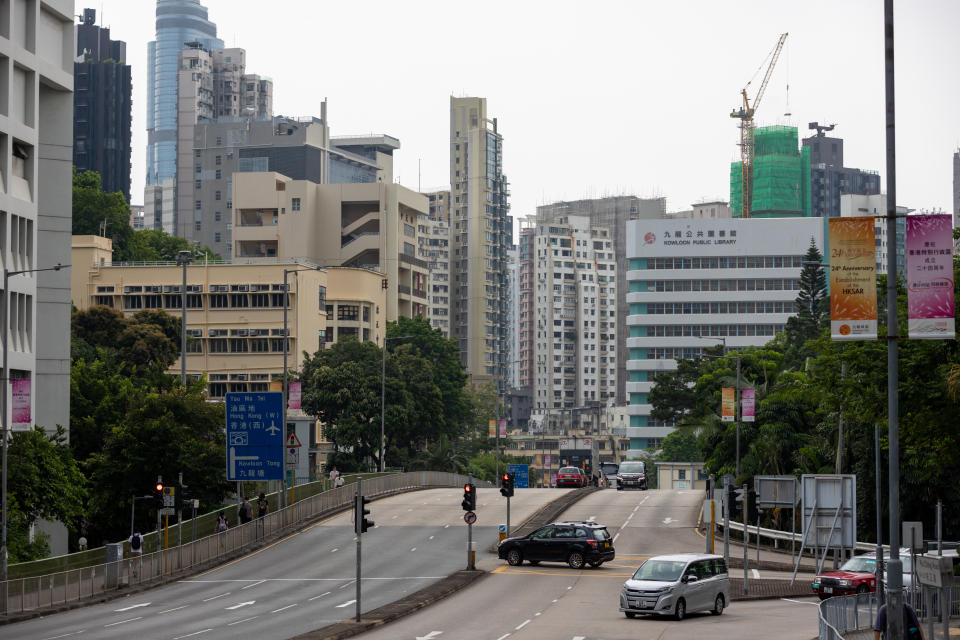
<point x="154" y="245"/>
<point x="680" y="446"/>
<point x="99" y="213"/>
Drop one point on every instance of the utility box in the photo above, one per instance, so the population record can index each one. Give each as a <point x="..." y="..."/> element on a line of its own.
<point x="114" y="562"/>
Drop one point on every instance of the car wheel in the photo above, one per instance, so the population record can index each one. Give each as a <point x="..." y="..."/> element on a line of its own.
<point x="514" y="558"/>
<point x="575" y="560"/>
<point x="596" y="565"/>
<point x="863" y="588"/>
<point x="681" y="611"/>
<point x="718" y="605"/>
<point x="629" y="614"/>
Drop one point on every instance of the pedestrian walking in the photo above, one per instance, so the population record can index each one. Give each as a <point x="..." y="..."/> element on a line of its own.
<point x="222" y="526"/>
<point x="334" y="474"/>
<point x="911" y="624"/>
<point x="136" y="554"/>
<point x="262" y="506"/>
<point x="244" y="511"/>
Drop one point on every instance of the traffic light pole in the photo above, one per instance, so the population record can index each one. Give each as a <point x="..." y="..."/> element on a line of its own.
<point x="746" y="542"/>
<point x="508" y="516"/>
<point x="726" y="524"/>
<point x="358" y="518"/>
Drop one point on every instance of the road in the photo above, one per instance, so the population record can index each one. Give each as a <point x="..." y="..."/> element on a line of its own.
<point x="554" y="602"/>
<point x="305" y="581"/>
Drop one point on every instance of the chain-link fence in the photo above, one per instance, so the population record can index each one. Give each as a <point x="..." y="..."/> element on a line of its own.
<point x="61" y="588"/>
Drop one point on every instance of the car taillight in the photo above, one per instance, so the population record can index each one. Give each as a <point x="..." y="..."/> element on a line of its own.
<point x="592" y="543"/>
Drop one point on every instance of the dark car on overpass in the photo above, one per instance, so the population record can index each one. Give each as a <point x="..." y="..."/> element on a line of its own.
<point x="576" y="543"/>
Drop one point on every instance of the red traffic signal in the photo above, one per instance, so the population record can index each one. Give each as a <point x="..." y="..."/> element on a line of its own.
<point x="159" y="487"/>
<point x="469" y="502"/>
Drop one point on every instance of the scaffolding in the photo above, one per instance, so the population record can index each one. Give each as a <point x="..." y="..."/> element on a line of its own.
<point x="781" y="176"/>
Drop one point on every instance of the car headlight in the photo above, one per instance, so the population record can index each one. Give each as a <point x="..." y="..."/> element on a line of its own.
<point x="844" y="583"/>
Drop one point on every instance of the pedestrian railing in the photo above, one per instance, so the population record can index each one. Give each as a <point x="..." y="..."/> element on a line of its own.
<point x="848" y="617"/>
<point x="38" y="593"/>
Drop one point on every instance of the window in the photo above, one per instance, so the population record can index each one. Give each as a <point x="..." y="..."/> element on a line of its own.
<point x="218" y="301"/>
<point x="238" y="345"/>
<point x="216" y="216"/>
<point x="260" y="300"/>
<point x="295" y="204"/>
<point x="348" y="312"/>
<point x="260" y="345"/>
<point x="194" y="346"/>
<point x="219" y="174"/>
<point x="218" y="345"/>
<point x="198" y="205"/>
<point x="239" y="300"/>
<point x="215" y="197"/>
<point x="217" y="161"/>
<point x="197" y="184"/>
<point x="216" y="236"/>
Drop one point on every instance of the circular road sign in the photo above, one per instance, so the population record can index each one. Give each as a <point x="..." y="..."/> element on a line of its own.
<point x="469" y="517"/>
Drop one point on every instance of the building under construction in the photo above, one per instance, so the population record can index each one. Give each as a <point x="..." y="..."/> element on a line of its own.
<point x="781" y="176"/>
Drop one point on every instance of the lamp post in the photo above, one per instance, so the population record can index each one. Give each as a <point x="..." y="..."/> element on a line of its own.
<point x="183" y="259"/>
<point x="286" y="349"/>
<point x="3" y="421"/>
<point x="736" y="397"/>
<point x="383" y="394"/>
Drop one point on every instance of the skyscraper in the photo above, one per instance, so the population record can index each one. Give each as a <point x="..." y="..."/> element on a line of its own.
<point x="101" y="106"/>
<point x="178" y="22"/>
<point x="481" y="234"/>
<point x="829" y="179"/>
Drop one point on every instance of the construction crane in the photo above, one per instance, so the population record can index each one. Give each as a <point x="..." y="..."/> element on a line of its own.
<point x="745" y="114"/>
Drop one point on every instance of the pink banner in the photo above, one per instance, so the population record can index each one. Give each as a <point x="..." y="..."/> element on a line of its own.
<point x="546" y="460"/>
<point x="293" y="395"/>
<point x="20" y="404"/>
<point x="930" y="277"/>
<point x="503" y="428"/>
<point x="747" y="404"/>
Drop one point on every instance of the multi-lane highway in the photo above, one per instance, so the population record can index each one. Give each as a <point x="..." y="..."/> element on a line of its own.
<point x="554" y="602"/>
<point x="303" y="582"/>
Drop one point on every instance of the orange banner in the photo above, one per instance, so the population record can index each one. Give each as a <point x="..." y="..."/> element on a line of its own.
<point x="728" y="404"/>
<point x="853" y="279"/>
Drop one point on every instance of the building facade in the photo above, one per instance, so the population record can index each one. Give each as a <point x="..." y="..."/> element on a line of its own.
<point x="435" y="249"/>
<point x="829" y="179"/>
<point x="101" y="106"/>
<point x="371" y="226"/>
<point x="36" y="141"/>
<point x="574" y="318"/>
<point x="481" y="235"/>
<point x="694" y="284"/>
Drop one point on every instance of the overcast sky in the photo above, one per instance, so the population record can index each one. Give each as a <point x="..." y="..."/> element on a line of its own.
<point x="594" y="98"/>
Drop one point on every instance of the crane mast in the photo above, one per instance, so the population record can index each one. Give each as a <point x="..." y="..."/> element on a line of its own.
<point x="745" y="114"/>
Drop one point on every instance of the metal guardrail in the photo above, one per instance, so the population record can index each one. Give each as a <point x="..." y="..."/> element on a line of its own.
<point x="848" y="617"/>
<point x="57" y="589"/>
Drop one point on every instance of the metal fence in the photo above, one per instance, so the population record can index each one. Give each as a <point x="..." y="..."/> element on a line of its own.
<point x="849" y="617"/>
<point x="61" y="588"/>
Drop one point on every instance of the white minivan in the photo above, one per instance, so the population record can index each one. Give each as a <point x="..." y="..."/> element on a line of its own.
<point x="676" y="585"/>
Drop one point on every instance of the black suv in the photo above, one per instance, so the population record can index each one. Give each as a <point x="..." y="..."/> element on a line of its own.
<point x="576" y="543"/>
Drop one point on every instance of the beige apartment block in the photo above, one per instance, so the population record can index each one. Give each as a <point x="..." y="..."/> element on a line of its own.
<point x="364" y="225"/>
<point x="235" y="310"/>
<point x="434" y="235"/>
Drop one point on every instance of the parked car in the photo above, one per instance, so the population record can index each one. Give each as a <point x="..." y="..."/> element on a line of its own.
<point x="571" y="477"/>
<point x="609" y="471"/>
<point x="632" y="474"/>
<point x="576" y="543"/>
<point x="677" y="585"/>
<point x="857" y="575"/>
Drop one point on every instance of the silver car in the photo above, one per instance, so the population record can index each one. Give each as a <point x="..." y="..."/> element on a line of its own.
<point x="676" y="585"/>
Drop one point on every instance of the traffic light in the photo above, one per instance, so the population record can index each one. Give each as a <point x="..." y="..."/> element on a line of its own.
<point x="753" y="512"/>
<point x="361" y="524"/>
<point x="469" y="497"/>
<point x="506" y="485"/>
<point x="730" y="500"/>
<point x="158" y="492"/>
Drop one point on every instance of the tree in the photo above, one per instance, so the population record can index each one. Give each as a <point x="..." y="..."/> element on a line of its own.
<point x="102" y="214"/>
<point x="44" y="483"/>
<point x="680" y="446"/>
<point x="812" y="306"/>
<point x="155" y="245"/>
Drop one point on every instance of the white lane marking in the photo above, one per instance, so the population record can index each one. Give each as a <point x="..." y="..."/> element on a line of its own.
<point x="414" y="549"/>
<point x="64" y="635"/>
<point x="578" y="638"/>
<point x="230" y="624"/>
<point x="799" y="601"/>
<point x="174" y="609"/>
<point x="195" y="633"/>
<point x="133" y="606"/>
<point x="446" y="526"/>
<point x="667" y="520"/>
<point x="756" y="574"/>
<point x="635" y="508"/>
<point x="431" y="538"/>
<point x="334" y="550"/>
<point x="345" y="604"/>
<point x="506" y="635"/>
<point x="289" y="606"/>
<point x="348" y="584"/>
<point x="568" y="588"/>
<point x="215" y="597"/>
<point x="113" y="624"/>
<point x="557" y="600"/>
<point x="616" y="536"/>
<point x="432" y="634"/>
<point x="240" y="604"/>
<point x="522" y="625"/>
<point x="536" y="614"/>
<point x="412" y="509"/>
<point x="625" y="523"/>
<point x="393" y="518"/>
<point x="319" y="596"/>
<point x="252" y="585"/>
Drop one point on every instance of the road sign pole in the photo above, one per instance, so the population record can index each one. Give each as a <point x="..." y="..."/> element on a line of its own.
<point x="746" y="542"/>
<point x="713" y="522"/>
<point x="508" y="516"/>
<point x="358" y="519"/>
<point x="726" y="525"/>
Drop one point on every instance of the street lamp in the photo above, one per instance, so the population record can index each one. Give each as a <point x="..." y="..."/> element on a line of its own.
<point x="3" y="421"/>
<point x="286" y="349"/>
<point x="736" y="397"/>
<point x="183" y="259"/>
<point x="383" y="393"/>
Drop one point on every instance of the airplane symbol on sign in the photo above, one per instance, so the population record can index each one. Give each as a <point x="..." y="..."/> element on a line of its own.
<point x="273" y="428"/>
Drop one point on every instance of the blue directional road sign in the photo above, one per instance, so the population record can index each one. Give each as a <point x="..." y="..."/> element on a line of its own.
<point x="255" y="436"/>
<point x="521" y="475"/>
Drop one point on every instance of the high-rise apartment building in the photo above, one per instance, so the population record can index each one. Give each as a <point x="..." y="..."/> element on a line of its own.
<point x="829" y="179"/>
<point x="435" y="249"/>
<point x="178" y="22"/>
<point x="611" y="213"/>
<point x="101" y="106"/>
<point x="526" y="297"/>
<point x="481" y="234"/>
<point x="36" y="138"/>
<point x="574" y="318"/>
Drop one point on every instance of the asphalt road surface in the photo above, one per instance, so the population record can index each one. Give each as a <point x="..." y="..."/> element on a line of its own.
<point x="553" y="602"/>
<point x="305" y="581"/>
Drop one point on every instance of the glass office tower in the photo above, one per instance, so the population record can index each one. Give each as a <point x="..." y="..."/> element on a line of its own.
<point x="178" y="22"/>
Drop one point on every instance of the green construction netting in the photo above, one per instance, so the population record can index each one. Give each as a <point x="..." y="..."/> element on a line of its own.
<point x="775" y="141"/>
<point x="781" y="175"/>
<point x="736" y="190"/>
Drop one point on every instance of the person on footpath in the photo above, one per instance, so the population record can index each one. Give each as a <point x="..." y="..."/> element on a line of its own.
<point x="911" y="624"/>
<point x="262" y="508"/>
<point x="136" y="554"/>
<point x="334" y="474"/>
<point x="244" y="511"/>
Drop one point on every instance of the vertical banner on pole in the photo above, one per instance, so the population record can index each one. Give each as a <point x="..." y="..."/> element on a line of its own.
<point x="492" y="428"/>
<point x="727" y="404"/>
<point x="20" y="404"/>
<point x="930" y="277"/>
<point x="503" y="428"/>
<point x="294" y="395"/>
<point x="747" y="404"/>
<point x="853" y="279"/>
